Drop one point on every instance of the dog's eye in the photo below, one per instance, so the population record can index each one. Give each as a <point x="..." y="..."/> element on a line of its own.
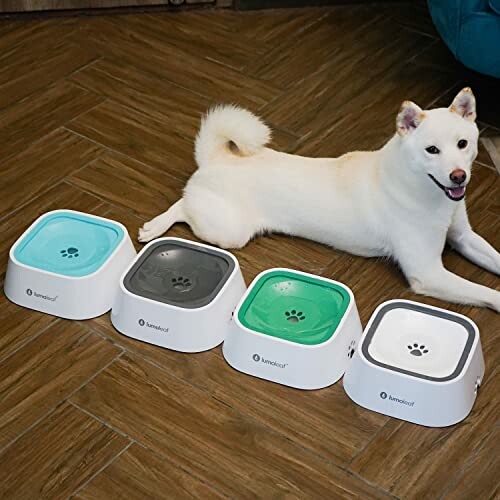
<point x="462" y="144"/>
<point x="433" y="150"/>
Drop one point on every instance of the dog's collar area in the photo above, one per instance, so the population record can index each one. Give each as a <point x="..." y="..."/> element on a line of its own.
<point x="454" y="194"/>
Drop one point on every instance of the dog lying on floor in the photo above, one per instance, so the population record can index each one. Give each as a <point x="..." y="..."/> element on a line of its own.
<point x="403" y="201"/>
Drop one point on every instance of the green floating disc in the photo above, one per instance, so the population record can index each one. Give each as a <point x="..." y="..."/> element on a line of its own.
<point x="294" y="307"/>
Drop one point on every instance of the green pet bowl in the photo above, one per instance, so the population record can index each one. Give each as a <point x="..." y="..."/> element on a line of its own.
<point x="294" y="328"/>
<point x="298" y="308"/>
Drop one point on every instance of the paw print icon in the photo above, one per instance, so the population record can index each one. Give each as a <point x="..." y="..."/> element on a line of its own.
<point x="181" y="284"/>
<point x="417" y="350"/>
<point x="69" y="252"/>
<point x="294" y="316"/>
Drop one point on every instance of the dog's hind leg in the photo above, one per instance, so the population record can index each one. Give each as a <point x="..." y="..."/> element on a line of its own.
<point x="225" y="232"/>
<point x="160" y="224"/>
<point x="217" y="220"/>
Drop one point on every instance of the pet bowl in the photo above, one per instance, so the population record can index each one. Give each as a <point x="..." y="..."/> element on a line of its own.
<point x="179" y="294"/>
<point x="417" y="363"/>
<point x="68" y="264"/>
<point x="294" y="328"/>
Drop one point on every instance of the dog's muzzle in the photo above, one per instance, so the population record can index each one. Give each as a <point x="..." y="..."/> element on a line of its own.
<point x="453" y="193"/>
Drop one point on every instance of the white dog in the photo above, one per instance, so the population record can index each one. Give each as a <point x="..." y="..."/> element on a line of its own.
<point x="403" y="201"/>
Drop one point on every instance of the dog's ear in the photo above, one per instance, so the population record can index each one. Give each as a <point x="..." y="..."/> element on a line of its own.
<point x="410" y="116"/>
<point x="464" y="104"/>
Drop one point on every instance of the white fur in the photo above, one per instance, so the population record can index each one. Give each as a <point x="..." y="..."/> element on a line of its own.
<point x="379" y="203"/>
<point x="225" y="124"/>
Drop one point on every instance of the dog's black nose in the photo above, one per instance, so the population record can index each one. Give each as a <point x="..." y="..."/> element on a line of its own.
<point x="458" y="176"/>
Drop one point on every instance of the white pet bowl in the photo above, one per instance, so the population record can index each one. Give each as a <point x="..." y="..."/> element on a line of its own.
<point x="294" y="328"/>
<point x="68" y="264"/>
<point x="179" y="294"/>
<point x="418" y="363"/>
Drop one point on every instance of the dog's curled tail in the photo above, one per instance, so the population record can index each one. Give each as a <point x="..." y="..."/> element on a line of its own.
<point x="229" y="130"/>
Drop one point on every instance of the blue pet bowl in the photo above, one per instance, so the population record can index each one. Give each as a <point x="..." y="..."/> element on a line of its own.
<point x="73" y="256"/>
<point x="69" y="243"/>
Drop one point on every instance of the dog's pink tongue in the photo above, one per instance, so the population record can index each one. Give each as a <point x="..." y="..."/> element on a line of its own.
<point x="456" y="192"/>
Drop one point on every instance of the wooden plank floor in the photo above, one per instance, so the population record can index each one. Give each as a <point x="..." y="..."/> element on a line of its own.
<point x="99" y="114"/>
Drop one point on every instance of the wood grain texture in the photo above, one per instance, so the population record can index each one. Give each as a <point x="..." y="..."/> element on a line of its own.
<point x="146" y="94"/>
<point x="489" y="148"/>
<point x="43" y="112"/>
<point x="63" y="61"/>
<point x="45" y="371"/>
<point x="16" y="33"/>
<point x="144" y="190"/>
<point x="36" y="55"/>
<point x="483" y="194"/>
<point x="323" y="96"/>
<point x="184" y="34"/>
<point x="99" y="114"/>
<point x="196" y="430"/>
<point x="419" y="21"/>
<point x="139" y="474"/>
<point x="42" y="465"/>
<point x="198" y="74"/>
<point x="345" y="24"/>
<point x="40" y="166"/>
<point x="17" y="327"/>
<point x="127" y="131"/>
<point x="279" y="29"/>
<point x="480" y="477"/>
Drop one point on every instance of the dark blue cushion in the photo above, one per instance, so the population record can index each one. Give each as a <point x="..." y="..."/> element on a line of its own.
<point x="471" y="29"/>
<point x="495" y="6"/>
